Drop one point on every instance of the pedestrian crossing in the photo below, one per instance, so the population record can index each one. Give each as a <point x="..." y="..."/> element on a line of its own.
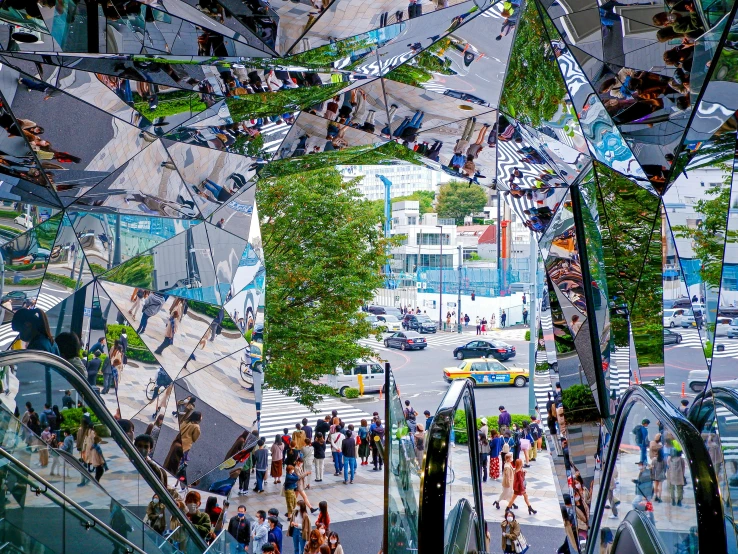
<point x="46" y="301"/>
<point x="541" y="387"/>
<point x="620" y="370"/>
<point x="455" y="339"/>
<point x="279" y="411"/>
<point x="7" y="335"/>
<point x="274" y="134"/>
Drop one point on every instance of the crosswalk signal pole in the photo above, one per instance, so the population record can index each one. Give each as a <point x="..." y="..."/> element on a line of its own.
<point x="533" y="344"/>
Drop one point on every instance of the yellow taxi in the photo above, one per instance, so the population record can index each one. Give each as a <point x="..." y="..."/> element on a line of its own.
<point x="486" y="371"/>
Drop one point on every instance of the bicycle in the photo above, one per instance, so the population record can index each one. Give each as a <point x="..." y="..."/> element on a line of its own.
<point x="153" y="390"/>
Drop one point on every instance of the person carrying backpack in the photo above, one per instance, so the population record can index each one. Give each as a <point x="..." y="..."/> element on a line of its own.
<point x="507" y="446"/>
<point x="536" y="434"/>
<point x="641" y="439"/>
<point x="48" y="418"/>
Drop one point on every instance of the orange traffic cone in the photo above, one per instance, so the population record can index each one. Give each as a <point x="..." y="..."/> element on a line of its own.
<point x="683" y="395"/>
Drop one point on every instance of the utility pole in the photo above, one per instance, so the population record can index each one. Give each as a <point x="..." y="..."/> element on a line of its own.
<point x="533" y="315"/>
<point x="458" y="303"/>
<point x="440" y="286"/>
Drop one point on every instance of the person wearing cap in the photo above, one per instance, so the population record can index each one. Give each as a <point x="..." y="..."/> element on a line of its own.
<point x="484" y="429"/>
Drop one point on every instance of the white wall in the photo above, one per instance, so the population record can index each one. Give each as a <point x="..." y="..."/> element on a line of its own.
<point x="482" y="307"/>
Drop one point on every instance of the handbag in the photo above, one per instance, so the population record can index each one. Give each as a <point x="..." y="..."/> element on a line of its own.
<point x="520" y="544"/>
<point x="524" y="444"/>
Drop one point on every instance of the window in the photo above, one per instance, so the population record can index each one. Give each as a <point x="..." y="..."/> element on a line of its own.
<point x="377" y="369"/>
<point x="479" y="366"/>
<point x="347" y="371"/>
<point x="360" y="370"/>
<point x="433" y="239"/>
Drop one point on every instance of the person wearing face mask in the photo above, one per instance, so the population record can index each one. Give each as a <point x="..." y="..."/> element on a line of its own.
<point x="510" y="532"/>
<point x="259" y="532"/>
<point x="145" y="444"/>
<point x="275" y="531"/>
<point x="239" y="527"/>
<point x="200" y="520"/>
<point x="334" y="543"/>
<point x="155" y="515"/>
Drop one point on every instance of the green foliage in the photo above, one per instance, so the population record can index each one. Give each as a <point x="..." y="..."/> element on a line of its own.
<point x="657" y="381"/>
<point x="263" y="104"/>
<point x="137" y="350"/>
<point x="534" y="89"/>
<point x="457" y="199"/>
<point x="212" y="312"/>
<point x="579" y="404"/>
<point x="351" y="393"/>
<point x="527" y="335"/>
<point x="248" y="146"/>
<point x="708" y="238"/>
<point x="8" y="214"/>
<point x="631" y="250"/>
<point x="170" y="103"/>
<point x="61" y="279"/>
<point x="324" y="56"/>
<point x="421" y="68"/>
<point x="137" y="272"/>
<point x="27" y="282"/>
<point x="462" y="437"/>
<point x="73" y="419"/>
<point x="425" y="199"/>
<point x="97" y="269"/>
<point x="324" y="251"/>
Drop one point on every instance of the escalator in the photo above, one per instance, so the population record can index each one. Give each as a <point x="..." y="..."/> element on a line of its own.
<point x="133" y="483"/>
<point x="67" y="526"/>
<point x="631" y="515"/>
<point x="436" y="489"/>
<point x="67" y="475"/>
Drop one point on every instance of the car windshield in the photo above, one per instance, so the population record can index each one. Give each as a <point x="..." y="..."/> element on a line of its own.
<point x="423" y="318"/>
<point x="412" y="334"/>
<point x="494" y="365"/>
<point x="390" y="318"/>
<point x="734" y="323"/>
<point x="371" y="318"/>
<point x="669" y="313"/>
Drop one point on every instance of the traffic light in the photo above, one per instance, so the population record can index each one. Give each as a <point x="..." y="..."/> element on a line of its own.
<point x="473" y="296"/>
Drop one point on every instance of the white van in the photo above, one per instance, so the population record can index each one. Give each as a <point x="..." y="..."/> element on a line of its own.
<point x="371" y="371"/>
<point x="673" y="317"/>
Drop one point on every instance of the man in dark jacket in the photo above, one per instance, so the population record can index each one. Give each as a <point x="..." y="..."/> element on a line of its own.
<point x="323" y="426"/>
<point x="348" y="449"/>
<point x="151" y="307"/>
<point x="93" y="367"/>
<point x="504" y="420"/>
<point x="239" y="528"/>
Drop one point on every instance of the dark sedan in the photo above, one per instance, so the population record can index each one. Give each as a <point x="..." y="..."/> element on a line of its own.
<point x="405" y="340"/>
<point x="670" y="337"/>
<point x="484" y="349"/>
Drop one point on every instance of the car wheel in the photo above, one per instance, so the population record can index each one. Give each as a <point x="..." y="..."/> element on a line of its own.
<point x="519" y="381"/>
<point x="343" y="390"/>
<point x="697" y="386"/>
<point x="403" y="346"/>
<point x="386" y="344"/>
<point x="671" y="324"/>
<point x="459" y="355"/>
<point x="679" y="339"/>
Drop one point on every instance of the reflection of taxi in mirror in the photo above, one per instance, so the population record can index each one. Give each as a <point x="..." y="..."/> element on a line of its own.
<point x="483" y="371"/>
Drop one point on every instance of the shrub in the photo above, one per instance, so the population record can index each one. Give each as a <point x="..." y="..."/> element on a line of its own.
<point x="579" y="404"/>
<point x="137" y="350"/>
<point x="352" y="393"/>
<point x="73" y="419"/>
<point x="527" y="335"/>
<point x="460" y="434"/>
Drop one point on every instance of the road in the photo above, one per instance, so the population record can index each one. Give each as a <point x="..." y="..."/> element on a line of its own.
<point x="419" y="375"/>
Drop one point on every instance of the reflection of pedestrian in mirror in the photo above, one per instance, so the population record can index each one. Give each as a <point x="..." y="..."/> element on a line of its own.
<point x="171" y="331"/>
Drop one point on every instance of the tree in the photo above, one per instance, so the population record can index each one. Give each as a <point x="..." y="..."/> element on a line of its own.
<point x="324" y="250"/>
<point x="457" y="199"/>
<point x="424" y="197"/>
<point x="708" y="238"/>
<point x="534" y="88"/>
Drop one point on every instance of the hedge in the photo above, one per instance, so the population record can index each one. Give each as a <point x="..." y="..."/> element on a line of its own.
<point x="351" y="393"/>
<point x="137" y="349"/>
<point x="73" y="419"/>
<point x="460" y="434"/>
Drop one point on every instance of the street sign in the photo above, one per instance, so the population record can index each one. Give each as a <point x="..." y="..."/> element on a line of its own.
<point x="397" y="298"/>
<point x="450" y="304"/>
<point x="88" y="312"/>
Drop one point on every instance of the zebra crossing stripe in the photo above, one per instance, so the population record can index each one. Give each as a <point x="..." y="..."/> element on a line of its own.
<point x="7" y="335"/>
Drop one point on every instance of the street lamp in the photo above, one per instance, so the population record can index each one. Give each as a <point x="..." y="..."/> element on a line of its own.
<point x="440" y="288"/>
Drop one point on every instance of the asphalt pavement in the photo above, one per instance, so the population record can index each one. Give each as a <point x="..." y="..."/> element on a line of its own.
<point x="419" y="375"/>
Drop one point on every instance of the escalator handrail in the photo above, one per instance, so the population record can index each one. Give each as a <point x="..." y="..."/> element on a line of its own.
<point x="69" y="372"/>
<point x="638" y="523"/>
<point x="49" y="487"/>
<point x="432" y="509"/>
<point x="699" y="416"/>
<point x="76" y="466"/>
<point x="708" y="503"/>
<point x="457" y="524"/>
